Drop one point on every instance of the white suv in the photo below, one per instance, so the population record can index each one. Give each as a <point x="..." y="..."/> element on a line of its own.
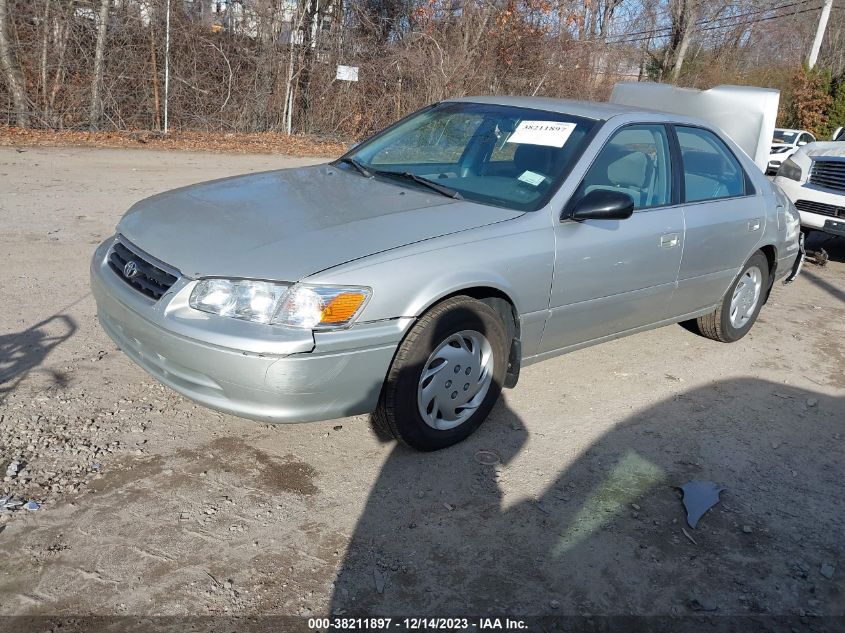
<point x="814" y="179"/>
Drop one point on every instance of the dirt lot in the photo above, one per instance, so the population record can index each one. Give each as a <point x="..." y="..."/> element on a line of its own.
<point x="152" y="505"/>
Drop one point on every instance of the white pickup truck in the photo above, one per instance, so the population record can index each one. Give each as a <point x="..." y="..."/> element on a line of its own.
<point x="814" y="179"/>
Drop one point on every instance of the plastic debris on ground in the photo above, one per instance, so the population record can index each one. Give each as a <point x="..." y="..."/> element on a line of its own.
<point x="699" y="497"/>
<point x="31" y="505"/>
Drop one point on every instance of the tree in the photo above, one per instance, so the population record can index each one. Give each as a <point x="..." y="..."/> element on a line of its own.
<point x="96" y="109"/>
<point x="807" y="110"/>
<point x="11" y="71"/>
<point x="684" y="14"/>
<point x="836" y="111"/>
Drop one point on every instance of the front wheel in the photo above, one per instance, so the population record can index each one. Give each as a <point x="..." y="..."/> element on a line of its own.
<point x="741" y="304"/>
<point x="446" y="376"/>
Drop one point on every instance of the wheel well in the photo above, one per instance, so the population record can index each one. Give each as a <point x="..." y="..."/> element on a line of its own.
<point x="505" y="308"/>
<point x="497" y="300"/>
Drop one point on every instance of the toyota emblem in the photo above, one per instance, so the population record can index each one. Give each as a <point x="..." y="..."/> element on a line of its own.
<point x="130" y="271"/>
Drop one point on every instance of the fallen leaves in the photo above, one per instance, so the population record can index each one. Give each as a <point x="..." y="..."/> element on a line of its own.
<point x="189" y="141"/>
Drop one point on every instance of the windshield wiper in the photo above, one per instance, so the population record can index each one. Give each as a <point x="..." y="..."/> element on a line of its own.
<point x="442" y="189"/>
<point x="351" y="161"/>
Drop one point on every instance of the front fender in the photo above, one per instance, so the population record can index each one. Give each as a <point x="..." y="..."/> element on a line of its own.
<point x="515" y="257"/>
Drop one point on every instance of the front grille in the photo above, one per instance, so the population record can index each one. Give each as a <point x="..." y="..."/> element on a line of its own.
<point x="145" y="277"/>
<point x="829" y="174"/>
<point x="821" y="208"/>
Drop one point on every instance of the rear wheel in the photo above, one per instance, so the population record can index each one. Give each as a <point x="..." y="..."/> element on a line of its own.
<point x="741" y="304"/>
<point x="446" y="376"/>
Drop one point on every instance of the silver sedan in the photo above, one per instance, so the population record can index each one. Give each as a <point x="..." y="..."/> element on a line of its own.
<point x="416" y="275"/>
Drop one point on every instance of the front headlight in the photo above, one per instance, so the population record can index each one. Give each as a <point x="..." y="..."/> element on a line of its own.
<point x="301" y="306"/>
<point x="790" y="169"/>
<point x="779" y="150"/>
<point x="245" y="299"/>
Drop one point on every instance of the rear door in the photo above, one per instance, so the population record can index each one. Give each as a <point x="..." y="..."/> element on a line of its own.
<point x="615" y="275"/>
<point x="724" y="219"/>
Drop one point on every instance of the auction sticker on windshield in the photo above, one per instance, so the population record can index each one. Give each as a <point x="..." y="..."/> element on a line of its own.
<point x="549" y="133"/>
<point x="532" y="178"/>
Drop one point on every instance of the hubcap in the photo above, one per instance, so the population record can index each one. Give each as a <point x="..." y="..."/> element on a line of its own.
<point x="746" y="295"/>
<point x="455" y="380"/>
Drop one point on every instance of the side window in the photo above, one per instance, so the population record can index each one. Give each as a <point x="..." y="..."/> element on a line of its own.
<point x="634" y="161"/>
<point x="806" y="138"/>
<point x="711" y="171"/>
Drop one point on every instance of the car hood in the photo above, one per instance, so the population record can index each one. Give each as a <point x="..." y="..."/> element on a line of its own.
<point x="291" y="223"/>
<point x="825" y="148"/>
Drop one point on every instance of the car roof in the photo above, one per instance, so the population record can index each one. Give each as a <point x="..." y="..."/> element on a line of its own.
<point x="586" y="109"/>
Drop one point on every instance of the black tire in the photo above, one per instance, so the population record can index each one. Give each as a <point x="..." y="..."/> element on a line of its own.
<point x="397" y="413"/>
<point x="717" y="325"/>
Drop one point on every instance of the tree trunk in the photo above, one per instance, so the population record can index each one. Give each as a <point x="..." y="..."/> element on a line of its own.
<point x="684" y="14"/>
<point x="96" y="110"/>
<point x="11" y="72"/>
<point x="154" y="62"/>
<point x="287" y="114"/>
<point x="679" y="56"/>
<point x="62" y="33"/>
<point x="310" y="26"/>
<point x="45" y="45"/>
<point x="266" y="17"/>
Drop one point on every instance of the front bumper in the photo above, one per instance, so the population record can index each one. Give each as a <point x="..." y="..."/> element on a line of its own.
<point x="255" y="371"/>
<point x="806" y="191"/>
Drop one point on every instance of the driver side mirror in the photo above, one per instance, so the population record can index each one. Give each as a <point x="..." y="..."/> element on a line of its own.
<point x="602" y="204"/>
<point x="802" y="143"/>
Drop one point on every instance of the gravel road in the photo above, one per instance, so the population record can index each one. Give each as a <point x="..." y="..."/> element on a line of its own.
<point x="150" y="504"/>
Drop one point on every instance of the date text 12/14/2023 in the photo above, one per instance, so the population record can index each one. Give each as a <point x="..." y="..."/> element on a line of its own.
<point x="416" y="624"/>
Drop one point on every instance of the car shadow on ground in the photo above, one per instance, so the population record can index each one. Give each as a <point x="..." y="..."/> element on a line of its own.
<point x="21" y="352"/>
<point x="443" y="534"/>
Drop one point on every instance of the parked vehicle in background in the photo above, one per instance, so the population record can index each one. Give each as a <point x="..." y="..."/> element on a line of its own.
<point x="415" y="276"/>
<point x="784" y="144"/>
<point x="814" y="179"/>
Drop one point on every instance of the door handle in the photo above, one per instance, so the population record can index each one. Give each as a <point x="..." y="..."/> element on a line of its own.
<point x="754" y="225"/>
<point x="670" y="240"/>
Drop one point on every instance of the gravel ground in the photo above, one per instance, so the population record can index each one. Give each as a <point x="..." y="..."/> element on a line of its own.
<point x="151" y="505"/>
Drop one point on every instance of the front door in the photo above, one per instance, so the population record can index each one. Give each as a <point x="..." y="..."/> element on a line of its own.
<point x="611" y="276"/>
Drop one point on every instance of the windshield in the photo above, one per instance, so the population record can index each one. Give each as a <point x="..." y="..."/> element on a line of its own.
<point x="785" y="136"/>
<point x="498" y="155"/>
